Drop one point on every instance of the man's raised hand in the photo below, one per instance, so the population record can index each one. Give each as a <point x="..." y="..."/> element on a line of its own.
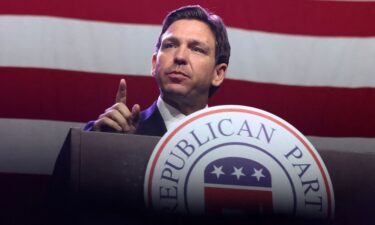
<point x="118" y="117"/>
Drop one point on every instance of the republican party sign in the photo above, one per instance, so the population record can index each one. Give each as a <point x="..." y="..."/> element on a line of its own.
<point x="237" y="159"/>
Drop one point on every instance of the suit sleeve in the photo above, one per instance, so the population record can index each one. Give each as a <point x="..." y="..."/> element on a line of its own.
<point x="89" y="126"/>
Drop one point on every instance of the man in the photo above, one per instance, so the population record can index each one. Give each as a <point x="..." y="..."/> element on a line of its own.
<point x="189" y="64"/>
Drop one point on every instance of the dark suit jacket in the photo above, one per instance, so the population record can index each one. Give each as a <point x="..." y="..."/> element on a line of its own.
<point x="150" y="122"/>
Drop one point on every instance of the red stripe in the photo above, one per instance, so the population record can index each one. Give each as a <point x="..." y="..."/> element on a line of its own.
<point x="65" y="95"/>
<point x="79" y="96"/>
<point x="306" y="17"/>
<point x="321" y="111"/>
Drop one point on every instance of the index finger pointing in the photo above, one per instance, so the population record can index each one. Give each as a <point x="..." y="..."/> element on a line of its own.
<point x="121" y="92"/>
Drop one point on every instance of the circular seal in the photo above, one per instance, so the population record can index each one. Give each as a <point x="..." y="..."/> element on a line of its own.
<point x="237" y="159"/>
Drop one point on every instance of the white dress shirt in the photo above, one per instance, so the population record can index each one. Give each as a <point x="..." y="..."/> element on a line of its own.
<point x="170" y="114"/>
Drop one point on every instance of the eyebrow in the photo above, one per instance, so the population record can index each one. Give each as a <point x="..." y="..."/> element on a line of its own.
<point x="191" y="42"/>
<point x="170" y="39"/>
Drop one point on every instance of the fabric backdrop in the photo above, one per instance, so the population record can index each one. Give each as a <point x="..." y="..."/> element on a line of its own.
<point x="310" y="62"/>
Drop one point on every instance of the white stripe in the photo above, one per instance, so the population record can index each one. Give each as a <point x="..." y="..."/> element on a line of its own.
<point x="45" y="42"/>
<point x="302" y="60"/>
<point x="32" y="146"/>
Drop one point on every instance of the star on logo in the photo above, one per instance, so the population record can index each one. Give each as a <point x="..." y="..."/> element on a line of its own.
<point x="258" y="174"/>
<point x="237" y="172"/>
<point x="218" y="171"/>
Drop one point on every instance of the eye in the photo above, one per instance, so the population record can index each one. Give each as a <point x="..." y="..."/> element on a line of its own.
<point x="199" y="50"/>
<point x="168" y="45"/>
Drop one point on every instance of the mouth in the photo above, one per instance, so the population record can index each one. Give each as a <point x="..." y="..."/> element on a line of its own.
<point x="177" y="76"/>
<point x="177" y="72"/>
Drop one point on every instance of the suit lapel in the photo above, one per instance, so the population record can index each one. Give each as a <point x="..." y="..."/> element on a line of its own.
<point x="151" y="122"/>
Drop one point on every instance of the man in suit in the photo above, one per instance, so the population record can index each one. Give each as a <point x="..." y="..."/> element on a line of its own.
<point x="189" y="64"/>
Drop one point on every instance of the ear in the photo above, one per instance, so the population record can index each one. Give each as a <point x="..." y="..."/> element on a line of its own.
<point x="153" y="63"/>
<point x="219" y="75"/>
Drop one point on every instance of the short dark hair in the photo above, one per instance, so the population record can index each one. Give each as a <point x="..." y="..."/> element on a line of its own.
<point x="216" y="24"/>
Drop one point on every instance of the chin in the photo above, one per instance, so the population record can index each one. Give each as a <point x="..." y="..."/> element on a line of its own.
<point x="175" y="93"/>
<point x="175" y="90"/>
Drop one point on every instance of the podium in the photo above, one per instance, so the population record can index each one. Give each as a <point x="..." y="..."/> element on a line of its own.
<point x="109" y="169"/>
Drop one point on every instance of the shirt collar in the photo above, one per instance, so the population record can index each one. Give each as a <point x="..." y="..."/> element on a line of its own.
<point x="170" y="114"/>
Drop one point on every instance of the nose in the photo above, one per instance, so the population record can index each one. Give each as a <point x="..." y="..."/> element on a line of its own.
<point x="180" y="57"/>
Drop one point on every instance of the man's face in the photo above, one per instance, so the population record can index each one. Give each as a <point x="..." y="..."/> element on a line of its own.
<point x="185" y="66"/>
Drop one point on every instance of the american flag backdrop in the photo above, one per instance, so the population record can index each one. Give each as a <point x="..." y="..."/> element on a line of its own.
<point x="311" y="62"/>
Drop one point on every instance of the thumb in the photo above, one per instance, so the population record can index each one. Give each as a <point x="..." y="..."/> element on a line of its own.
<point x="121" y="92"/>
